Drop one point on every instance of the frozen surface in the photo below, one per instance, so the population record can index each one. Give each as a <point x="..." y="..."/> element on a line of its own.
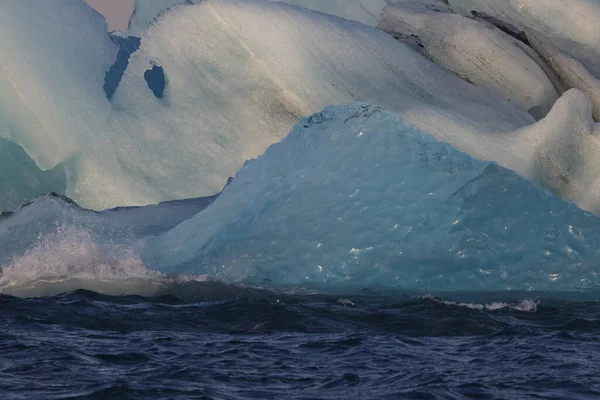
<point x="240" y="74"/>
<point x="571" y="25"/>
<point x="478" y="52"/>
<point x="356" y="195"/>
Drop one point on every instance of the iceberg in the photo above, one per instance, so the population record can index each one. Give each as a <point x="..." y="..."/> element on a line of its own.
<point x="356" y="195"/>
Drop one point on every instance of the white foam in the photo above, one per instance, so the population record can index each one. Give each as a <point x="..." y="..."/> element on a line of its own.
<point x="69" y="259"/>
<point x="527" y="305"/>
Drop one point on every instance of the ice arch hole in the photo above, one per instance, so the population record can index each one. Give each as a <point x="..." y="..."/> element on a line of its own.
<point x="127" y="46"/>
<point x="155" y="78"/>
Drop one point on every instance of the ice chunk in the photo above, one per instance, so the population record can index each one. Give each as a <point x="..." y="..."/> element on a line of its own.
<point x="477" y="52"/>
<point x="356" y="195"/>
<point x="239" y="74"/>
<point x="53" y="59"/>
<point x="571" y="25"/>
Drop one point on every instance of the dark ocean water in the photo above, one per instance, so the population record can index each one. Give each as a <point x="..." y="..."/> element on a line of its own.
<point x="229" y="343"/>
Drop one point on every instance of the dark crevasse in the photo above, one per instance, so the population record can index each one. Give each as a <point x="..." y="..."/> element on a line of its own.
<point x="127" y="46"/>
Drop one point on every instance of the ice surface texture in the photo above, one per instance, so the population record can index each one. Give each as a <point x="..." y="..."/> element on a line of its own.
<point x="353" y="195"/>
<point x="571" y="25"/>
<point x="478" y="52"/>
<point x="357" y="195"/>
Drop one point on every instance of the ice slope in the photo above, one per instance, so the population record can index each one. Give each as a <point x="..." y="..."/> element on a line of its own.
<point x="357" y="195"/>
<point x="571" y="25"/>
<point x="478" y="52"/>
<point x="239" y="74"/>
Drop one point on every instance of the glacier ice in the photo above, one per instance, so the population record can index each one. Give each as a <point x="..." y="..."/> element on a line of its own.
<point x="477" y="52"/>
<point x="364" y="11"/>
<point x="354" y="194"/>
<point x="239" y="74"/>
